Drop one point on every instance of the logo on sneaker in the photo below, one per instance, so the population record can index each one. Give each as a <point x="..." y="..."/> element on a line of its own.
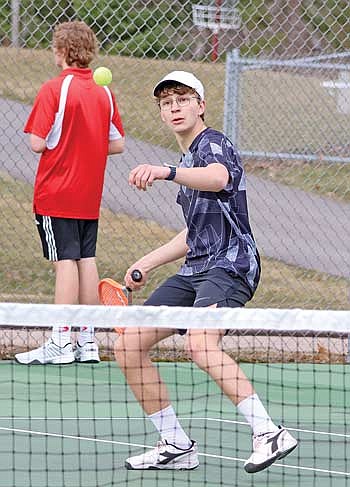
<point x="63" y="329"/>
<point x="266" y="450"/>
<point x="168" y="456"/>
<point x="273" y="441"/>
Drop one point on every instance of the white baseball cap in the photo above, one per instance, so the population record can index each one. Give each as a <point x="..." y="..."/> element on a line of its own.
<point x="184" y="78"/>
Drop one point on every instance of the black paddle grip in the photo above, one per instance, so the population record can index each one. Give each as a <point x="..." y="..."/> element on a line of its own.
<point x="136" y="275"/>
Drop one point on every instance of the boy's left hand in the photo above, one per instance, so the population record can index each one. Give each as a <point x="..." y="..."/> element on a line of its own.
<point x="129" y="281"/>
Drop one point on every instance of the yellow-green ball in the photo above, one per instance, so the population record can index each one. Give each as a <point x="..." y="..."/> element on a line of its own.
<point x="102" y="76"/>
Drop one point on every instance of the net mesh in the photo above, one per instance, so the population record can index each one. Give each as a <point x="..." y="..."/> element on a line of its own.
<point x="75" y="425"/>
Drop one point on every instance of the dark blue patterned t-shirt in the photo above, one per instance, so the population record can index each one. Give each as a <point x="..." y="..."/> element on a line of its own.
<point x="219" y="233"/>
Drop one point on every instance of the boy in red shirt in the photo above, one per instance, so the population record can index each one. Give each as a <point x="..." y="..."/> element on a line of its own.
<point x="74" y="125"/>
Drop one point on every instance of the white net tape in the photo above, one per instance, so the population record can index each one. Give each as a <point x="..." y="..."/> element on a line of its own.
<point x="44" y="315"/>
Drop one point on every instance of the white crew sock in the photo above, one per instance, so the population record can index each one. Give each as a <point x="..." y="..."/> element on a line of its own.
<point x="169" y="427"/>
<point x="255" y="413"/>
<point x="86" y="335"/>
<point x="61" y="335"/>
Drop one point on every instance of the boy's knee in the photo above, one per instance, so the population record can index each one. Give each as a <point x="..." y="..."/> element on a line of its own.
<point x="201" y="350"/>
<point x="127" y="355"/>
<point x="195" y="350"/>
<point x="119" y="352"/>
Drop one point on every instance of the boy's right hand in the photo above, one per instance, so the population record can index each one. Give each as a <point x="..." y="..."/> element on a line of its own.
<point x="143" y="175"/>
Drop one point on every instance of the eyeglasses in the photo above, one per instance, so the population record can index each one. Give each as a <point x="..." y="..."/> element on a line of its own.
<point x="166" y="104"/>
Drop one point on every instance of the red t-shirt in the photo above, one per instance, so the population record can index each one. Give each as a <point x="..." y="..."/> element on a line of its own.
<point x="77" y="118"/>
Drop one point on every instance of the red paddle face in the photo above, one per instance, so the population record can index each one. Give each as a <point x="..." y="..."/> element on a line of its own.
<point x="111" y="293"/>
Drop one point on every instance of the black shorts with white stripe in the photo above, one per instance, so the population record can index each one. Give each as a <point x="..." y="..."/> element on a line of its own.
<point x="67" y="238"/>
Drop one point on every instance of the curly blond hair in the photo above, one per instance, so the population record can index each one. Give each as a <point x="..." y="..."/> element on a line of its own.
<point x="78" y="41"/>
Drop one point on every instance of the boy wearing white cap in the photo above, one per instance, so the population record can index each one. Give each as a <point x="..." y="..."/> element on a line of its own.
<point x="221" y="269"/>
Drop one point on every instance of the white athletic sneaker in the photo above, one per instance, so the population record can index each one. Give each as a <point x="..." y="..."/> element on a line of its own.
<point x="269" y="447"/>
<point x="87" y="353"/>
<point x="49" y="353"/>
<point x="165" y="456"/>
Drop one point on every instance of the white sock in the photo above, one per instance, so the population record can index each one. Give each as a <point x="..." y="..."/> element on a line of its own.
<point x="61" y="335"/>
<point x="86" y="335"/>
<point x="169" y="427"/>
<point x="255" y="413"/>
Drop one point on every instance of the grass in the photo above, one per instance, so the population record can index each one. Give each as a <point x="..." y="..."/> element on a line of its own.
<point x="25" y="276"/>
<point x="331" y="181"/>
<point x="280" y="111"/>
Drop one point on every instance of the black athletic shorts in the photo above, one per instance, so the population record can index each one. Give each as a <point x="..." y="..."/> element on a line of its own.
<point x="215" y="286"/>
<point x="67" y="238"/>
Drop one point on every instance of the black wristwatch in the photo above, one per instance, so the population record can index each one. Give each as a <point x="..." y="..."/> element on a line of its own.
<point x="172" y="173"/>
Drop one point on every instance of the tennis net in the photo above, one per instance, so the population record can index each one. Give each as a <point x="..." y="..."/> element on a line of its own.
<point x="75" y="425"/>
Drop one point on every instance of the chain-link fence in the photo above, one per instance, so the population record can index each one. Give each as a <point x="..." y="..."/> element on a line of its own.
<point x="276" y="79"/>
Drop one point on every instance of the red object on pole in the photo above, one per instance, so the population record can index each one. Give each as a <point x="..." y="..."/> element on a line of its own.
<point x="215" y="41"/>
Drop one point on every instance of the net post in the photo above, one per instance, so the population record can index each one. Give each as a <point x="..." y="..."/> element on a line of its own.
<point x="232" y="78"/>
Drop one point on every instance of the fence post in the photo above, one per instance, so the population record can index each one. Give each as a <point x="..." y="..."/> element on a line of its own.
<point x="343" y="95"/>
<point x="231" y="98"/>
<point x="15" y="14"/>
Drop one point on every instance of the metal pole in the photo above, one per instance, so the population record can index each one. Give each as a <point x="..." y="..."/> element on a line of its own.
<point x="15" y="10"/>
<point x="214" y="54"/>
<point x="231" y="99"/>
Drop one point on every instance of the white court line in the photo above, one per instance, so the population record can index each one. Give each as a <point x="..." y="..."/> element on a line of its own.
<point x="113" y="442"/>
<point x="123" y="418"/>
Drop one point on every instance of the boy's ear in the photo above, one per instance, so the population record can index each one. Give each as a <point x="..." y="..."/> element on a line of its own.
<point x="60" y="56"/>
<point x="61" y="52"/>
<point x="202" y="107"/>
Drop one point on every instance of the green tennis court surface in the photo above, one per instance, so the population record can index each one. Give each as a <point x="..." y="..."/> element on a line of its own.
<point x="74" y="426"/>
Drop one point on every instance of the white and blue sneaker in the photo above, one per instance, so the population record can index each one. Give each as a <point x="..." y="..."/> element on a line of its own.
<point x="87" y="353"/>
<point x="165" y="457"/>
<point x="269" y="447"/>
<point x="49" y="353"/>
